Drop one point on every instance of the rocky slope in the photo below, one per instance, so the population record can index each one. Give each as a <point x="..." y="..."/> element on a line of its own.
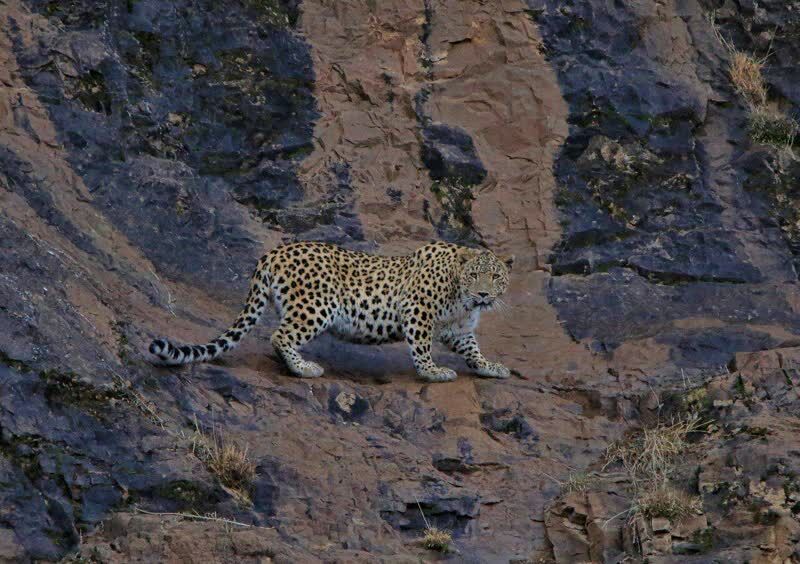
<point x="150" y="151"/>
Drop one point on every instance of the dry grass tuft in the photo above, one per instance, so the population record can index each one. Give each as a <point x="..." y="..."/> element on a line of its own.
<point x="649" y="459"/>
<point x="745" y="74"/>
<point x="232" y="465"/>
<point x="649" y="455"/>
<point x="772" y="128"/>
<point x="437" y="539"/>
<point x="228" y="461"/>
<point x="765" y="125"/>
<point x="578" y="482"/>
<point x="667" y="502"/>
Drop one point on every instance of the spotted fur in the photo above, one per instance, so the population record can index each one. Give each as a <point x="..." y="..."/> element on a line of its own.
<point x="438" y="292"/>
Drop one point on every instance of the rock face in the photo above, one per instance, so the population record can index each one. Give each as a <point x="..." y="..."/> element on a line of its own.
<point x="151" y="150"/>
<point x="654" y="185"/>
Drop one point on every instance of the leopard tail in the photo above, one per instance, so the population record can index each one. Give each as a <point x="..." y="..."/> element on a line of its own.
<point x="257" y="298"/>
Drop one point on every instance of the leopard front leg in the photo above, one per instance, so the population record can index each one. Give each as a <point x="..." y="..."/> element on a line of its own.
<point x="419" y="336"/>
<point x="466" y="345"/>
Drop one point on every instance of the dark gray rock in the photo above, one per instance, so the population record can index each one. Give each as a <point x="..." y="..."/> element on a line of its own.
<point x="627" y="306"/>
<point x="514" y="424"/>
<point x="71" y="452"/>
<point x="449" y="153"/>
<point x="167" y="113"/>
<point x="444" y="507"/>
<point x="640" y="190"/>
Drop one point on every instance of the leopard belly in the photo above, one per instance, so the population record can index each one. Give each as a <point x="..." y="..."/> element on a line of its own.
<point x="368" y="319"/>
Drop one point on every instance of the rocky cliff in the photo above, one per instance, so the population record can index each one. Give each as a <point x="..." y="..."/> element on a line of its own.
<point x="150" y="151"/>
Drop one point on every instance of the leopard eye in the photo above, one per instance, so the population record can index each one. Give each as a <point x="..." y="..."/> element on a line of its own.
<point x="496" y="276"/>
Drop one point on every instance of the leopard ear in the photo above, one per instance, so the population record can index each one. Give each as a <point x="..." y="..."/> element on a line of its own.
<point x="508" y="261"/>
<point x="465" y="255"/>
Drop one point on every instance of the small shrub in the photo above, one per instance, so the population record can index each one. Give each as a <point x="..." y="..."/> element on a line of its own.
<point x="668" y="503"/>
<point x="228" y="461"/>
<point x="765" y="125"/>
<point x="649" y="458"/>
<point x="649" y="455"/>
<point x="772" y="128"/>
<point x="232" y="465"/>
<point x="745" y="73"/>
<point x="697" y="400"/>
<point x="437" y="539"/>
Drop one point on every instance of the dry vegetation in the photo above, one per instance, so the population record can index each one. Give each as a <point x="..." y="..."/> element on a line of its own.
<point x="669" y="503"/>
<point x="745" y="73"/>
<point x="765" y="124"/>
<point x="212" y="517"/>
<point x="649" y="459"/>
<point x="437" y="539"/>
<point x="578" y="482"/>
<point x="434" y="538"/>
<point x="227" y="460"/>
<point x="772" y="127"/>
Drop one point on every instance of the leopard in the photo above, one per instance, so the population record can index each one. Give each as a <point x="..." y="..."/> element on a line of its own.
<point x="435" y="294"/>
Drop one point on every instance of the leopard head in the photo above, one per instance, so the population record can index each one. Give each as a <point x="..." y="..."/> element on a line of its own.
<point x="483" y="277"/>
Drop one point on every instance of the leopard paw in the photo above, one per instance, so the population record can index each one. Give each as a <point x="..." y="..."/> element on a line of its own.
<point x="308" y="369"/>
<point x="439" y="374"/>
<point x="493" y="370"/>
